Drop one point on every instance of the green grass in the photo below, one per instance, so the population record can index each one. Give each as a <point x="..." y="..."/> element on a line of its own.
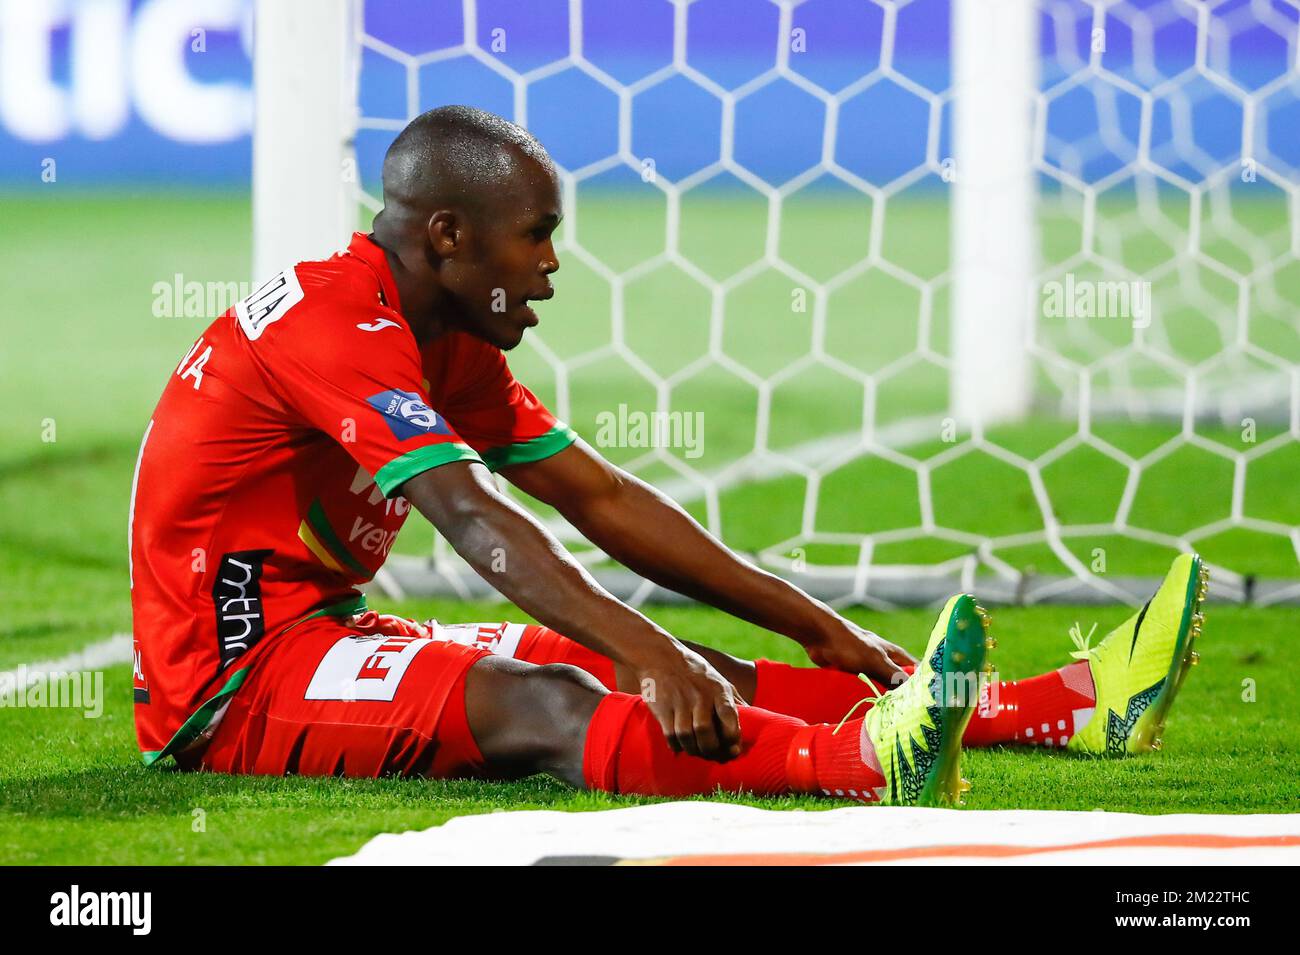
<point x="72" y="791"/>
<point x="83" y="350"/>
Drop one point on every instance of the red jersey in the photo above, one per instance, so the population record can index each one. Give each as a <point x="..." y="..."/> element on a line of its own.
<point x="267" y="484"/>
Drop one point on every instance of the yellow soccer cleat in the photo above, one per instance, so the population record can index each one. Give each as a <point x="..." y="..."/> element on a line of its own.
<point x="1140" y="665"/>
<point x="916" y="728"/>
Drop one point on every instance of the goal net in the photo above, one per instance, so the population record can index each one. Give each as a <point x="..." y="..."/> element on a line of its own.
<point x="894" y="297"/>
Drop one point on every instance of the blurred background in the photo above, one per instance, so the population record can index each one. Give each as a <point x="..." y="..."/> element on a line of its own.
<point x="759" y="237"/>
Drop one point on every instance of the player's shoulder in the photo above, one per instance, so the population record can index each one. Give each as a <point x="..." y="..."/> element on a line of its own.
<point x="329" y="305"/>
<point x="342" y="284"/>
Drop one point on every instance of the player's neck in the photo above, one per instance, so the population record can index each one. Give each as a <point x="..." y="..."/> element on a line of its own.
<point x="420" y="303"/>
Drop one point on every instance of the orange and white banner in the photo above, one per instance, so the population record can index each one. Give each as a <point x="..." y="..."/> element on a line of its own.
<point x="703" y="833"/>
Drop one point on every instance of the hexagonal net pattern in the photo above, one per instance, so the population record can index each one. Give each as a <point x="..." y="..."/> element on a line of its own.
<point x="755" y="304"/>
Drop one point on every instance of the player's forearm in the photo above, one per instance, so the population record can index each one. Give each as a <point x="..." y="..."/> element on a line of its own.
<point x="650" y="534"/>
<point x="527" y="565"/>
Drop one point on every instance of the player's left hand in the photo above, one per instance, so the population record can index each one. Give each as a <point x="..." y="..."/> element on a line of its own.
<point x="846" y="646"/>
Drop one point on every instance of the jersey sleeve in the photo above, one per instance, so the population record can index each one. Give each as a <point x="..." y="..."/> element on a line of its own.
<point x="358" y="379"/>
<point x="502" y="420"/>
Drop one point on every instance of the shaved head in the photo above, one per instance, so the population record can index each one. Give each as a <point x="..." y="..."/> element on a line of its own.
<point x="457" y="157"/>
<point x="470" y="203"/>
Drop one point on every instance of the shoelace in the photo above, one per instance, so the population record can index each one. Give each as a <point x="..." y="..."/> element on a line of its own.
<point x="885" y="702"/>
<point x="1083" y="645"/>
<point x="875" y="695"/>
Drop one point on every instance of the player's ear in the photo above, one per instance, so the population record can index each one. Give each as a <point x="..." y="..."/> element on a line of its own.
<point x="446" y="233"/>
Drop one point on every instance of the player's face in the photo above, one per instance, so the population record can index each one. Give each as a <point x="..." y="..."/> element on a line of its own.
<point x="514" y="257"/>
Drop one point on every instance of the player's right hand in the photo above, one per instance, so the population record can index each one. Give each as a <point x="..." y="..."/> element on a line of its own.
<point x="694" y="704"/>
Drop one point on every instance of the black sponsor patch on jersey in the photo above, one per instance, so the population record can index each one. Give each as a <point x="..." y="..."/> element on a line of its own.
<point x="139" y="683"/>
<point x="237" y="601"/>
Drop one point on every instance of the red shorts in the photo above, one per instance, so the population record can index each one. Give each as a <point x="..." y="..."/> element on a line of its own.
<point x="374" y="696"/>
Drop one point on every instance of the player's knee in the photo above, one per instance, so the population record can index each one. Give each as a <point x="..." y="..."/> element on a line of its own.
<point x="567" y="694"/>
<point x="564" y="675"/>
<point x="529" y="713"/>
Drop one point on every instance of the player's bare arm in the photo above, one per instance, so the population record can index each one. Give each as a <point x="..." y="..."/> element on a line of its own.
<point x="694" y="704"/>
<point x="651" y="534"/>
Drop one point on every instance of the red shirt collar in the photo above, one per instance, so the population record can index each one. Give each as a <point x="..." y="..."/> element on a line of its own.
<point x="365" y="248"/>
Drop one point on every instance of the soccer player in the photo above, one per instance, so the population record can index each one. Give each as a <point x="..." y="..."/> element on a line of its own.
<point x="302" y="427"/>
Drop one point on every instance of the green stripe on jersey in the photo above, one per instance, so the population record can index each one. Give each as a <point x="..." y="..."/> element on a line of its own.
<point x="525" y="452"/>
<point x="398" y="471"/>
<point x="199" y="720"/>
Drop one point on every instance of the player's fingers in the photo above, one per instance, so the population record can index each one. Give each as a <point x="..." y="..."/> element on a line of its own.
<point x="736" y="697"/>
<point x="891" y="673"/>
<point x="728" y="717"/>
<point x="684" y="726"/>
<point x="706" y="734"/>
<point x="665" y="716"/>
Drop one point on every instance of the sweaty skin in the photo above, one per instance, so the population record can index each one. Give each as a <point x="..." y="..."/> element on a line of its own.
<point x="470" y="206"/>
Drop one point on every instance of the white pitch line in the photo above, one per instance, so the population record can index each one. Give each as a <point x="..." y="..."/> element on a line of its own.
<point x="116" y="649"/>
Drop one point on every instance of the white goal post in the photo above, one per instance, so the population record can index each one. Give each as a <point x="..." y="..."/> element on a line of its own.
<point x="305" y="65"/>
<point x="994" y="240"/>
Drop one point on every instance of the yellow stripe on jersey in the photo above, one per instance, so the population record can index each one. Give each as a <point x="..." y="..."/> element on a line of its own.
<point x="308" y="537"/>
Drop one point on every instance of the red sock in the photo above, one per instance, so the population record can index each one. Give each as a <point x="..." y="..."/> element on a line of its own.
<point x="626" y="753"/>
<point x="1046" y="709"/>
<point x="834" y="762"/>
<point x="813" y="694"/>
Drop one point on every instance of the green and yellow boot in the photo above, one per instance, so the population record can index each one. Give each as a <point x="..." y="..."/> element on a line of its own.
<point x="916" y="728"/>
<point x="1141" y="664"/>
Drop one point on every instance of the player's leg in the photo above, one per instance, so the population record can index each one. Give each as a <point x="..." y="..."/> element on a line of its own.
<point x="530" y="718"/>
<point x="558" y="719"/>
<point x="327" y="701"/>
<point x="1141" y="664"/>
<point x="1044" y="709"/>
<point x="531" y="669"/>
<point x="379" y="696"/>
<point x="812" y="694"/>
<point x="526" y="718"/>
